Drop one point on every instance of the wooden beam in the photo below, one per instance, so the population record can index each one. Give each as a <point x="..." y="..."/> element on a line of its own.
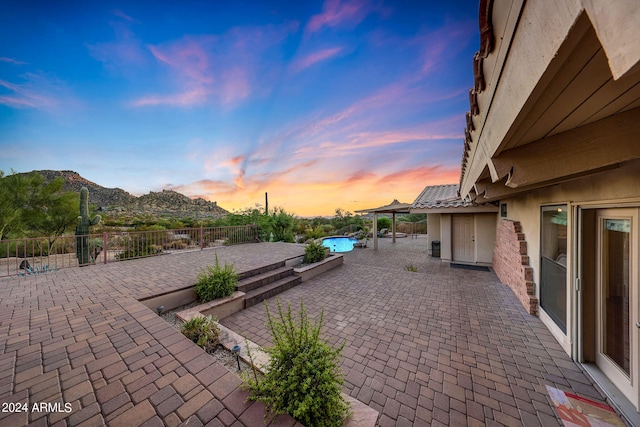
<point x="568" y="154"/>
<point x="492" y="192"/>
<point x="375" y="231"/>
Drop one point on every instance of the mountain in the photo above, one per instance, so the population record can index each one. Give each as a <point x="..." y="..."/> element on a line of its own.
<point x="117" y="202"/>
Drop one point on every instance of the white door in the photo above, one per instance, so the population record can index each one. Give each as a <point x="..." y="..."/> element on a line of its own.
<point x="463" y="238"/>
<point x="617" y="299"/>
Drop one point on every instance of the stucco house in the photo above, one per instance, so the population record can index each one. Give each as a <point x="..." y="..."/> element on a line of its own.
<point x="553" y="139"/>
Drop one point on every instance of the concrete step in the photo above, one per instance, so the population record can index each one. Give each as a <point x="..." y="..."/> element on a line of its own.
<point x="253" y="282"/>
<point x="260" y="294"/>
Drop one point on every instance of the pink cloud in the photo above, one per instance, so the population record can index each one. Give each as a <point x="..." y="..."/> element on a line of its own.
<point x="11" y="61"/>
<point x="204" y="188"/>
<point x="190" y="58"/>
<point x="425" y="175"/>
<point x="29" y="94"/>
<point x="235" y="86"/>
<point x="337" y="13"/>
<point x="121" y="14"/>
<point x="125" y="55"/>
<point x="309" y="60"/>
<point x="226" y="69"/>
<point x="184" y="99"/>
<point x="439" y="46"/>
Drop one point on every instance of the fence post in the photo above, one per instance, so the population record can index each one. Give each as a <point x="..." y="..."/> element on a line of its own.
<point x="104" y="246"/>
<point x="201" y="238"/>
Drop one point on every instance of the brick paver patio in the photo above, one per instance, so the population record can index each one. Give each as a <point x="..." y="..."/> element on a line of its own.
<point x="440" y="346"/>
<point x="79" y="336"/>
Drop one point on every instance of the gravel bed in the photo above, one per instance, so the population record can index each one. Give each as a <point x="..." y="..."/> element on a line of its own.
<point x="220" y="353"/>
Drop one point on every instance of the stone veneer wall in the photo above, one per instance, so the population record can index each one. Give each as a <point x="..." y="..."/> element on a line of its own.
<point x="511" y="263"/>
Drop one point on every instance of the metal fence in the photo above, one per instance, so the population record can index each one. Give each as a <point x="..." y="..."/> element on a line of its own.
<point x="43" y="254"/>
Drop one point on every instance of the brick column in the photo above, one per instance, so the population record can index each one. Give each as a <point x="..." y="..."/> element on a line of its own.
<point x="511" y="263"/>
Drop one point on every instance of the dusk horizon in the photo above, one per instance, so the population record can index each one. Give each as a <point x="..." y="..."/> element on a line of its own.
<point x="323" y="105"/>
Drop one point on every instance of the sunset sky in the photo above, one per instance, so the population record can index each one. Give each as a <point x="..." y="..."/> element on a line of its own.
<point x="323" y="104"/>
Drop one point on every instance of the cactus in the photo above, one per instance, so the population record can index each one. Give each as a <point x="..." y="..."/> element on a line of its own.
<point x="82" y="229"/>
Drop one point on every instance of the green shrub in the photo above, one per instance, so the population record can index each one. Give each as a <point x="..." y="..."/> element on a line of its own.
<point x="314" y="252"/>
<point x="303" y="378"/>
<point x="203" y="331"/>
<point x="328" y="229"/>
<point x="216" y="282"/>
<point x="384" y="222"/>
<point x="314" y="233"/>
<point x="411" y="267"/>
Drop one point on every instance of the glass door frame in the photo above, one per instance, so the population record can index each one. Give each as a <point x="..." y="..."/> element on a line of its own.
<point x="628" y="385"/>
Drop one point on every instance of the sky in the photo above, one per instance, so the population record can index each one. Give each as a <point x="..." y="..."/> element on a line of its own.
<point x="323" y="104"/>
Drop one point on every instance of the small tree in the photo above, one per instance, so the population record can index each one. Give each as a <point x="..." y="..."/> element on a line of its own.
<point x="51" y="211"/>
<point x="282" y="225"/>
<point x="303" y="378"/>
<point x="16" y="193"/>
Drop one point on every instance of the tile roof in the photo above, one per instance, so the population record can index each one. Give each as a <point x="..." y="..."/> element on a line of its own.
<point x="439" y="196"/>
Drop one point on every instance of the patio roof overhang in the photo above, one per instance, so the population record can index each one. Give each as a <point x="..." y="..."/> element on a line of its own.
<point x="392" y="208"/>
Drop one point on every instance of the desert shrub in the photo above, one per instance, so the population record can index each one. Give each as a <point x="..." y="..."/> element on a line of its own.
<point x="138" y="246"/>
<point x="202" y="330"/>
<point x="303" y="378"/>
<point x="282" y="223"/>
<point x="216" y="282"/>
<point x="176" y="244"/>
<point x="240" y="235"/>
<point x="314" y="233"/>
<point x="314" y="252"/>
<point x="328" y="229"/>
<point x="384" y="222"/>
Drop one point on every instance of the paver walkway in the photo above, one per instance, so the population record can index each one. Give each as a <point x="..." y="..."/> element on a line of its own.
<point x="440" y="346"/>
<point x="79" y="337"/>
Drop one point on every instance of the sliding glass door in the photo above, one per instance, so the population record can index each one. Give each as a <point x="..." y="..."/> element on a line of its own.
<point x="553" y="264"/>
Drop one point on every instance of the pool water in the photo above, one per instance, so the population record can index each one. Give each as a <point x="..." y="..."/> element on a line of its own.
<point x="339" y="244"/>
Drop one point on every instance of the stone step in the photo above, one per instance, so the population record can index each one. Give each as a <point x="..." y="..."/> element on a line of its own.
<point x="260" y="270"/>
<point x="260" y="294"/>
<point x="253" y="282"/>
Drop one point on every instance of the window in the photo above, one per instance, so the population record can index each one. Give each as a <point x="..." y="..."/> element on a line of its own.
<point x="503" y="210"/>
<point x="553" y="263"/>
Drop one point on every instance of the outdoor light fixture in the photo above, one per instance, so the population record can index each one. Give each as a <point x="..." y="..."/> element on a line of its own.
<point x="159" y="309"/>
<point x="236" y="350"/>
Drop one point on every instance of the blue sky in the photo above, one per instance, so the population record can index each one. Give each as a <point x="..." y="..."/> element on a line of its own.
<point x="322" y="104"/>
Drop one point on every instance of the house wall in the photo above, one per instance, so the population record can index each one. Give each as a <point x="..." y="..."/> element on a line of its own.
<point x="614" y="188"/>
<point x="611" y="187"/>
<point x="433" y="229"/>
<point x="445" y="237"/>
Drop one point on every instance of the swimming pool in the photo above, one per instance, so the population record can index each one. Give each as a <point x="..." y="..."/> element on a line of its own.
<point x="339" y="243"/>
